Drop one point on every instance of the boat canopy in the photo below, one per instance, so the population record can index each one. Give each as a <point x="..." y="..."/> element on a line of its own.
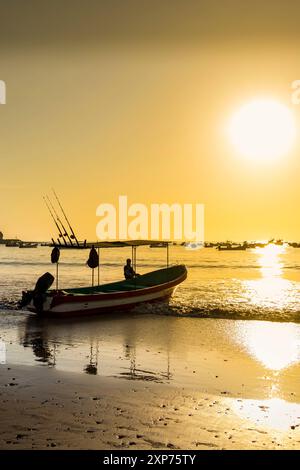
<point x="119" y="244"/>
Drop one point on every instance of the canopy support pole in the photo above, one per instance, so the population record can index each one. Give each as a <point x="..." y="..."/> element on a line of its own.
<point x="57" y="275"/>
<point x="133" y="256"/>
<point x="167" y="255"/>
<point x="98" y="266"/>
<point x="134" y="266"/>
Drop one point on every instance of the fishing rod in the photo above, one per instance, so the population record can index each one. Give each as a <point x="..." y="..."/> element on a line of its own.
<point x="58" y="219"/>
<point x="72" y="231"/>
<point x="58" y="227"/>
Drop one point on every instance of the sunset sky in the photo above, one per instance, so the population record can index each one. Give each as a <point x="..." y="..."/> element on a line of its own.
<point x="113" y="97"/>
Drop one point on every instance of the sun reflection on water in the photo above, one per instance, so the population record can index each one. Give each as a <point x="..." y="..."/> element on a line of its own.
<point x="271" y="290"/>
<point x="275" y="345"/>
<point x="269" y="259"/>
<point x="274" y="413"/>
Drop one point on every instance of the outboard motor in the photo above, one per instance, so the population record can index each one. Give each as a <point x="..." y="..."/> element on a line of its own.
<point x="44" y="283"/>
<point x="38" y="295"/>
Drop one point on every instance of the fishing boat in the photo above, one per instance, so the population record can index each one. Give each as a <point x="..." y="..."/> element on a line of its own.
<point x="278" y="242"/>
<point x="75" y="246"/>
<point x="254" y="245"/>
<point x="28" y="245"/>
<point x="294" y="244"/>
<point x="158" y="285"/>
<point x="233" y="247"/>
<point x="12" y="243"/>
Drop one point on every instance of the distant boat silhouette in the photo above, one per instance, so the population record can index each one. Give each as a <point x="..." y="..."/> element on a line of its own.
<point x="233" y="247"/>
<point x="12" y="243"/>
<point x="28" y="245"/>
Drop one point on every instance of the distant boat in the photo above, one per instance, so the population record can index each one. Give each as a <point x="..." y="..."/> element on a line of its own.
<point x="261" y="245"/>
<point x="294" y="244"/>
<point x="276" y="242"/>
<point x="233" y="247"/>
<point x="12" y="243"/>
<point x="28" y="245"/>
<point x="256" y="244"/>
<point x="78" y="246"/>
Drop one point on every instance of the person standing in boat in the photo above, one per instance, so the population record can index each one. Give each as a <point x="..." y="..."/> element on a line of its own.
<point x="129" y="272"/>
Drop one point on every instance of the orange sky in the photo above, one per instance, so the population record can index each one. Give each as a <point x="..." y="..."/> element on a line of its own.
<point x="135" y="100"/>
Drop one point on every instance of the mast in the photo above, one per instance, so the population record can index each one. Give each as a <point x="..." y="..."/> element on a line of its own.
<point x="58" y="219"/>
<point x="58" y="227"/>
<point x="72" y="231"/>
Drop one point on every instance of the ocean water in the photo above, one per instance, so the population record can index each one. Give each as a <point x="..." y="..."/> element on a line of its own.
<point x="236" y="309"/>
<point x="257" y="284"/>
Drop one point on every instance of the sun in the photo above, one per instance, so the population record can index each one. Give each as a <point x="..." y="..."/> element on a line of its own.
<point x="262" y="130"/>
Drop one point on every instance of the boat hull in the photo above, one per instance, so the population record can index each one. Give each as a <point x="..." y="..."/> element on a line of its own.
<point x="236" y="248"/>
<point x="62" y="304"/>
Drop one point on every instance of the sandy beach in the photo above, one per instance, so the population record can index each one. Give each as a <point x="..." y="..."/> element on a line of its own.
<point x="217" y="395"/>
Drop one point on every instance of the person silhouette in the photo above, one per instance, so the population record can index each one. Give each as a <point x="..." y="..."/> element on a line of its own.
<point x="129" y="272"/>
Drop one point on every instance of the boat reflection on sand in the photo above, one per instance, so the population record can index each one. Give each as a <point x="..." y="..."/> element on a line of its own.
<point x="80" y="345"/>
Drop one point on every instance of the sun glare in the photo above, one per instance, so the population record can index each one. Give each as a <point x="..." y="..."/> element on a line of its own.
<point x="273" y="413"/>
<point x="262" y="130"/>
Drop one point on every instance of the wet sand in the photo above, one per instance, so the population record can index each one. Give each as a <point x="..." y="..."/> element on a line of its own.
<point x="217" y="394"/>
<point x="42" y="409"/>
